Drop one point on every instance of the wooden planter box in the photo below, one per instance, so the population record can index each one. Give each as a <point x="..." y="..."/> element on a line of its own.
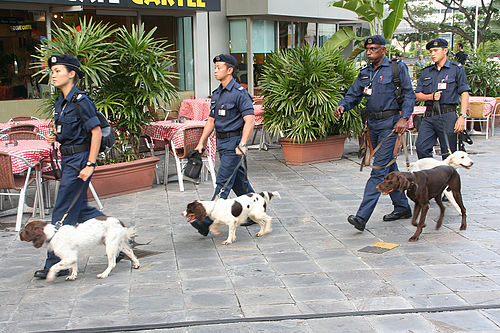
<point x="122" y="178"/>
<point x="321" y="150"/>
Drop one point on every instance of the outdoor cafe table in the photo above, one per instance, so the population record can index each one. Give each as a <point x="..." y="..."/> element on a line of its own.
<point x="44" y="125"/>
<point x="162" y="130"/>
<point x="31" y="150"/>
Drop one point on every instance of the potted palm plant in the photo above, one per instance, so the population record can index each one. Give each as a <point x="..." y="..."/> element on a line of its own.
<point x="301" y="88"/>
<point x="125" y="71"/>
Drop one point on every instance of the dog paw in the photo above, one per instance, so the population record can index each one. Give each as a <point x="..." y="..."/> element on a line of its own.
<point x="259" y="234"/>
<point x="102" y="276"/>
<point x="226" y="243"/>
<point x="135" y="266"/>
<point x="413" y="239"/>
<point x="71" y="278"/>
<point x="463" y="227"/>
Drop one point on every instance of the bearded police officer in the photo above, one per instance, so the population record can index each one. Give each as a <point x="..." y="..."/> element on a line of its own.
<point x="375" y="83"/>
<point x="440" y="86"/>
<point x="232" y="117"/>
<point x="79" y="133"/>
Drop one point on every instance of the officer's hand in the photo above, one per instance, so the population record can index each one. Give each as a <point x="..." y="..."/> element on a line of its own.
<point x="436" y="96"/>
<point x="400" y="126"/>
<point x="240" y="151"/>
<point x="460" y="125"/>
<point x="199" y="148"/>
<point x="51" y="138"/>
<point x="85" y="173"/>
<point x="338" y="111"/>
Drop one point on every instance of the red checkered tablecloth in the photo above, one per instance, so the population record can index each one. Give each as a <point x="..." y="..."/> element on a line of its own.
<point x="489" y="103"/>
<point x="195" y="108"/>
<point x="161" y="130"/>
<point x="417" y="110"/>
<point x="31" y="150"/>
<point x="259" y="111"/>
<point x="44" y="125"/>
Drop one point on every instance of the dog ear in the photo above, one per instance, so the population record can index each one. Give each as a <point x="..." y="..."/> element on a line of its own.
<point x="38" y="240"/>
<point x="199" y="211"/>
<point x="404" y="183"/>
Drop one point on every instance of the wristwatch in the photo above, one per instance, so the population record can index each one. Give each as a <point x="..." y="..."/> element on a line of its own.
<point x="91" y="164"/>
<point x="463" y="115"/>
<point x="242" y="144"/>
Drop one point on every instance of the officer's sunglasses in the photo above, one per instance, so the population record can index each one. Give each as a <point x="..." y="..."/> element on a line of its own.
<point x="372" y="49"/>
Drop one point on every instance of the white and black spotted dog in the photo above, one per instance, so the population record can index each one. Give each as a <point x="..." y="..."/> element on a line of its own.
<point x="233" y="212"/>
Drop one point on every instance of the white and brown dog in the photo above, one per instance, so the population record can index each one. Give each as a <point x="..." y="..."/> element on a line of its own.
<point x="233" y="212"/>
<point x="69" y="240"/>
<point x="458" y="159"/>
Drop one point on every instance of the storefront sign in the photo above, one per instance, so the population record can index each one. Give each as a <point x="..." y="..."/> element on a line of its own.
<point x="205" y="5"/>
<point x="21" y="27"/>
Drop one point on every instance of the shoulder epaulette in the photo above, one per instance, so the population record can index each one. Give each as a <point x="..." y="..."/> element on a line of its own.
<point x="241" y="88"/>
<point x="428" y="66"/>
<point x="456" y="63"/>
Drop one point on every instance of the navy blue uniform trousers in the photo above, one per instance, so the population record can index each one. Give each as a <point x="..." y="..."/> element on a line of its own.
<point x="379" y="129"/>
<point x="228" y="162"/>
<point x="69" y="185"/>
<point x="432" y="129"/>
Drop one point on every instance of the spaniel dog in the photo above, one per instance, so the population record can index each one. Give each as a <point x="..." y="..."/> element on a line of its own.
<point x="233" y="212"/>
<point x="458" y="159"/>
<point x="421" y="186"/>
<point x="69" y="240"/>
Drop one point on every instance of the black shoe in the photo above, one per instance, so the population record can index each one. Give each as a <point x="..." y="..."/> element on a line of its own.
<point x="397" y="215"/>
<point x="201" y="227"/>
<point x="248" y="222"/>
<point x="42" y="273"/>
<point x="120" y="256"/>
<point x="357" y="222"/>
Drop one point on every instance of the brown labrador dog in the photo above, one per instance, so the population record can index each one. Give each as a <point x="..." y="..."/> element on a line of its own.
<point x="421" y="186"/>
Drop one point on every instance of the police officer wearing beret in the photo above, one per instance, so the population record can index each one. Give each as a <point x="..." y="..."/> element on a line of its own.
<point x="375" y="83"/>
<point x="80" y="137"/>
<point x="232" y="117"/>
<point x="440" y="86"/>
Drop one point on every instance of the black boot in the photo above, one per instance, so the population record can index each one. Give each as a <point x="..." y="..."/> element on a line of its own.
<point x="201" y="227"/>
<point x="42" y="273"/>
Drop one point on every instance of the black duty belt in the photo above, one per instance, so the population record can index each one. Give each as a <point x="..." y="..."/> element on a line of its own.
<point x="445" y="108"/>
<point x="70" y="150"/>
<point x="382" y="115"/>
<point x="225" y="135"/>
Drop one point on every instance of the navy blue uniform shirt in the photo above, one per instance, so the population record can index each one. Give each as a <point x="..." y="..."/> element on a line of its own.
<point x="382" y="97"/>
<point x="236" y="102"/>
<point x="452" y="73"/>
<point x="73" y="130"/>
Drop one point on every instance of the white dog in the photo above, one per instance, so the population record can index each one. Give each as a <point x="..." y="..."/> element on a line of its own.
<point x="458" y="159"/>
<point x="233" y="212"/>
<point x="69" y="240"/>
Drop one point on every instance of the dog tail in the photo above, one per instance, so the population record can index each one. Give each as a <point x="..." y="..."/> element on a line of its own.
<point x="269" y="195"/>
<point x="131" y="233"/>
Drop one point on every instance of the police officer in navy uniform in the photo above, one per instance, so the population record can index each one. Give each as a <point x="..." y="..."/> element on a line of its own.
<point x="80" y="139"/>
<point x="375" y="83"/>
<point x="440" y="86"/>
<point x="232" y="117"/>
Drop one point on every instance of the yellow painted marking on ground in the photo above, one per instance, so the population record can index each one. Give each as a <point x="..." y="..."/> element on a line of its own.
<point x="384" y="245"/>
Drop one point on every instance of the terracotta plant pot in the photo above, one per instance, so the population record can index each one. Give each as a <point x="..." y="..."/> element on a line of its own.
<point x="122" y="178"/>
<point x="315" y="151"/>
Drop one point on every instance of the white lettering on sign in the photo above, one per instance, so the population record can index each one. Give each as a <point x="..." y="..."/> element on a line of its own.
<point x="180" y="3"/>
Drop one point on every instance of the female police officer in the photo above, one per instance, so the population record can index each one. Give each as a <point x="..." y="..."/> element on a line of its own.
<point x="232" y="117"/>
<point x="79" y="133"/>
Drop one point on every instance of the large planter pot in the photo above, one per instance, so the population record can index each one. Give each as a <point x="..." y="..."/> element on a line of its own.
<point x="315" y="151"/>
<point x="121" y="178"/>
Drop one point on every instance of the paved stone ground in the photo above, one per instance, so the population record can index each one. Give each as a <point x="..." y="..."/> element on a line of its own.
<point x="309" y="264"/>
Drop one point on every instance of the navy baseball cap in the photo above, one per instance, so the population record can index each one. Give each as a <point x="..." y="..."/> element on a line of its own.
<point x="227" y="58"/>
<point x="66" y="59"/>
<point x="438" y="42"/>
<point x="375" y="39"/>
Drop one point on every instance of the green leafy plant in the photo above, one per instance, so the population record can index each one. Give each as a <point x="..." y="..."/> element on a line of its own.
<point x="301" y="88"/>
<point x="125" y="71"/>
<point x="483" y="75"/>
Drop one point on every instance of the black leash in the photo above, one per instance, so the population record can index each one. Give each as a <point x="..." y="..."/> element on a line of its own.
<point x="59" y="223"/>
<point x="242" y="162"/>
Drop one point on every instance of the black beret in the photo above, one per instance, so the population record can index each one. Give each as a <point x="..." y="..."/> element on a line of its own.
<point x="227" y="58"/>
<point x="375" y="39"/>
<point x="438" y="42"/>
<point x="66" y="59"/>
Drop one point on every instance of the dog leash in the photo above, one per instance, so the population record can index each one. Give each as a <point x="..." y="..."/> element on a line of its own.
<point x="59" y="223"/>
<point x="405" y="149"/>
<point x="242" y="162"/>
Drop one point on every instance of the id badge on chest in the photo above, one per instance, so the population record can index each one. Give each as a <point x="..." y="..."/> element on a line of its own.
<point x="367" y="91"/>
<point x="222" y="111"/>
<point x="59" y="129"/>
<point x="442" y="86"/>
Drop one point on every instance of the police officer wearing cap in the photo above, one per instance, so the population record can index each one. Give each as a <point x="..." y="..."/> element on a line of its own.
<point x="440" y="86"/>
<point x="375" y="84"/>
<point x="80" y="136"/>
<point x="232" y="117"/>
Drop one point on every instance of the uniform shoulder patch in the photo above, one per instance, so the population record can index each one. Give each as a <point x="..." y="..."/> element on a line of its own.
<point x="456" y="63"/>
<point x="79" y="96"/>
<point x="241" y="88"/>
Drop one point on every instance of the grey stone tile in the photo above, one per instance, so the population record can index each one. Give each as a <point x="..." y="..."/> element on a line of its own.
<point x="303" y="280"/>
<point x="449" y="270"/>
<point x="381" y="303"/>
<point x="296" y="326"/>
<point x="317" y="293"/>
<point x="165" y="302"/>
<point x="210" y="283"/>
<point x="354" y="290"/>
<point x="250" y="282"/>
<point x="480" y="297"/>
<point x="325" y="306"/>
<point x="474" y="283"/>
<point x="298" y="267"/>
<point x="342" y="324"/>
<point x="439" y="300"/>
<point x="401" y="323"/>
<point x="264" y="296"/>
<point x="403" y="273"/>
<point x="221" y="299"/>
<point x="461" y="321"/>
<point x="200" y="314"/>
<point x="420" y="287"/>
<point x="266" y="310"/>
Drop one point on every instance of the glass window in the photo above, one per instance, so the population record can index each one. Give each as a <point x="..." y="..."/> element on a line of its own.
<point x="325" y="31"/>
<point x="264" y="43"/>
<point x="185" y="56"/>
<point x="306" y="33"/>
<point x="20" y="32"/>
<point x="238" y="48"/>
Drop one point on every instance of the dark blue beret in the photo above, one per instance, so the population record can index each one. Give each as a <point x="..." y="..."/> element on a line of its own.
<point x="375" y="39"/>
<point x="227" y="58"/>
<point x="64" y="59"/>
<point x="438" y="42"/>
